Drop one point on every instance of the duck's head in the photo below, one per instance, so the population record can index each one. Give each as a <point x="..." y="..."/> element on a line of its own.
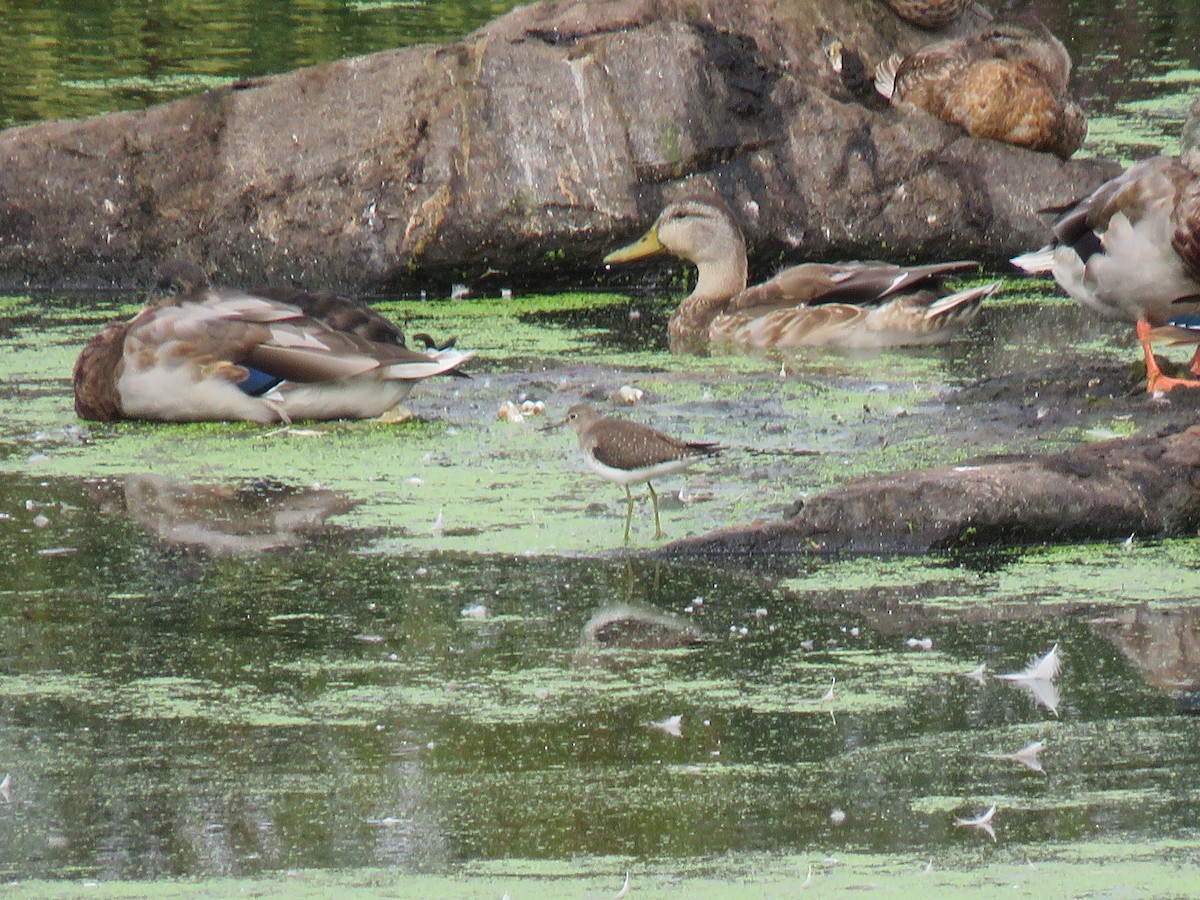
<point x="1031" y="43"/>
<point x="175" y="281"/>
<point x="702" y="232"/>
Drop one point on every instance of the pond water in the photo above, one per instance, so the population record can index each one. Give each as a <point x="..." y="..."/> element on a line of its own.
<point x="354" y="648"/>
<point x="414" y="659"/>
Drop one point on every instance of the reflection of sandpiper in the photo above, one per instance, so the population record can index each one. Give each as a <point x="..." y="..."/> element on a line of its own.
<point x="626" y="453"/>
<point x="624" y="634"/>
<point x="225" y="519"/>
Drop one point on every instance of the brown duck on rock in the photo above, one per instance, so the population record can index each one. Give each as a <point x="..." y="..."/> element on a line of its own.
<point x="929" y="13"/>
<point x="845" y="305"/>
<point x="1007" y="82"/>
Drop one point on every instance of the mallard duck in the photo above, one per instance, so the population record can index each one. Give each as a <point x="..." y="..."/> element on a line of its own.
<point x="626" y="453"/>
<point x="1131" y="251"/>
<point x="199" y="353"/>
<point x="1006" y="82"/>
<point x="344" y="314"/>
<point x="929" y="13"/>
<point x="847" y="305"/>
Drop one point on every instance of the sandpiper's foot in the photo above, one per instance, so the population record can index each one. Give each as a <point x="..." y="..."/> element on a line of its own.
<point x="658" y="532"/>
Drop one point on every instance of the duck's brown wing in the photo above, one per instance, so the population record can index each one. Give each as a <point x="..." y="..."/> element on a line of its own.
<point x="798" y="326"/>
<point x="339" y="313"/>
<point x="855" y="283"/>
<point x="1186" y="217"/>
<point x="1142" y="188"/>
<point x="927" y="77"/>
<point x="275" y="338"/>
<point x="909" y="318"/>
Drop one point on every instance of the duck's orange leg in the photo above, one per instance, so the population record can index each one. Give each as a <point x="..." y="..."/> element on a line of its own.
<point x="1156" y="381"/>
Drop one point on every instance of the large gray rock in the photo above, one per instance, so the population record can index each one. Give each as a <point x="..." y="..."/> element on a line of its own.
<point x="1144" y="486"/>
<point x="523" y="152"/>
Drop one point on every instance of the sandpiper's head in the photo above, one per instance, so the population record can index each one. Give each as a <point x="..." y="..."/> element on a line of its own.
<point x="177" y="280"/>
<point x="580" y="416"/>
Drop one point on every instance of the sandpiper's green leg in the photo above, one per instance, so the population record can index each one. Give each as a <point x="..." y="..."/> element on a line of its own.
<point x="658" y="532"/>
<point x="628" y="511"/>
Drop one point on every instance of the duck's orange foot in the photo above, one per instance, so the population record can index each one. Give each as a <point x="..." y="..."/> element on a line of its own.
<point x="1164" y="384"/>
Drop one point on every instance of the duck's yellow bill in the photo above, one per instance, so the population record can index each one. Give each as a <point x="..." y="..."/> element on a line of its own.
<point x="647" y="245"/>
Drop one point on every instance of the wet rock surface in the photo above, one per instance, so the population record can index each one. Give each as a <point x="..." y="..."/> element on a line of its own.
<point x="518" y="155"/>
<point x="1145" y="485"/>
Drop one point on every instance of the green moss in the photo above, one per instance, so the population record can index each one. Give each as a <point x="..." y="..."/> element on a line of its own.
<point x="1162" y="869"/>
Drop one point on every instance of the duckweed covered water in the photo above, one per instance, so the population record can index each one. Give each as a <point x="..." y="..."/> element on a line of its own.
<point x="348" y="657"/>
<point x="364" y="660"/>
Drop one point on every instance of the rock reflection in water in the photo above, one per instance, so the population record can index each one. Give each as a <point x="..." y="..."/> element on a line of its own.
<point x="226" y="519"/>
<point x="1164" y="646"/>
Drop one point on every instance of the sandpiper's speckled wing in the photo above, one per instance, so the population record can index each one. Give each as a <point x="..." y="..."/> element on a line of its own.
<point x="630" y="445"/>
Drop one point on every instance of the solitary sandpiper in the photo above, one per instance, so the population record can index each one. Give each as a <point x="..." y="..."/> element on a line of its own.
<point x="626" y="453"/>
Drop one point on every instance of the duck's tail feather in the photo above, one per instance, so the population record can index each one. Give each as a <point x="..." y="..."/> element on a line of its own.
<point x="437" y="363"/>
<point x="885" y="75"/>
<point x="960" y="302"/>
<point x="1036" y="262"/>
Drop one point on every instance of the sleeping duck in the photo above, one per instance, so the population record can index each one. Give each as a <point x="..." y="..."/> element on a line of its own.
<point x="199" y="353"/>
<point x="1006" y="82"/>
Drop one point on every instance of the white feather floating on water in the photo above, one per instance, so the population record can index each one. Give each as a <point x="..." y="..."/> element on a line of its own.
<point x="1026" y="756"/>
<point x="977" y="673"/>
<point x="983" y="822"/>
<point x="672" y="725"/>
<point x="1037" y="679"/>
<point x="624" y="891"/>
<point x="1043" y="668"/>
